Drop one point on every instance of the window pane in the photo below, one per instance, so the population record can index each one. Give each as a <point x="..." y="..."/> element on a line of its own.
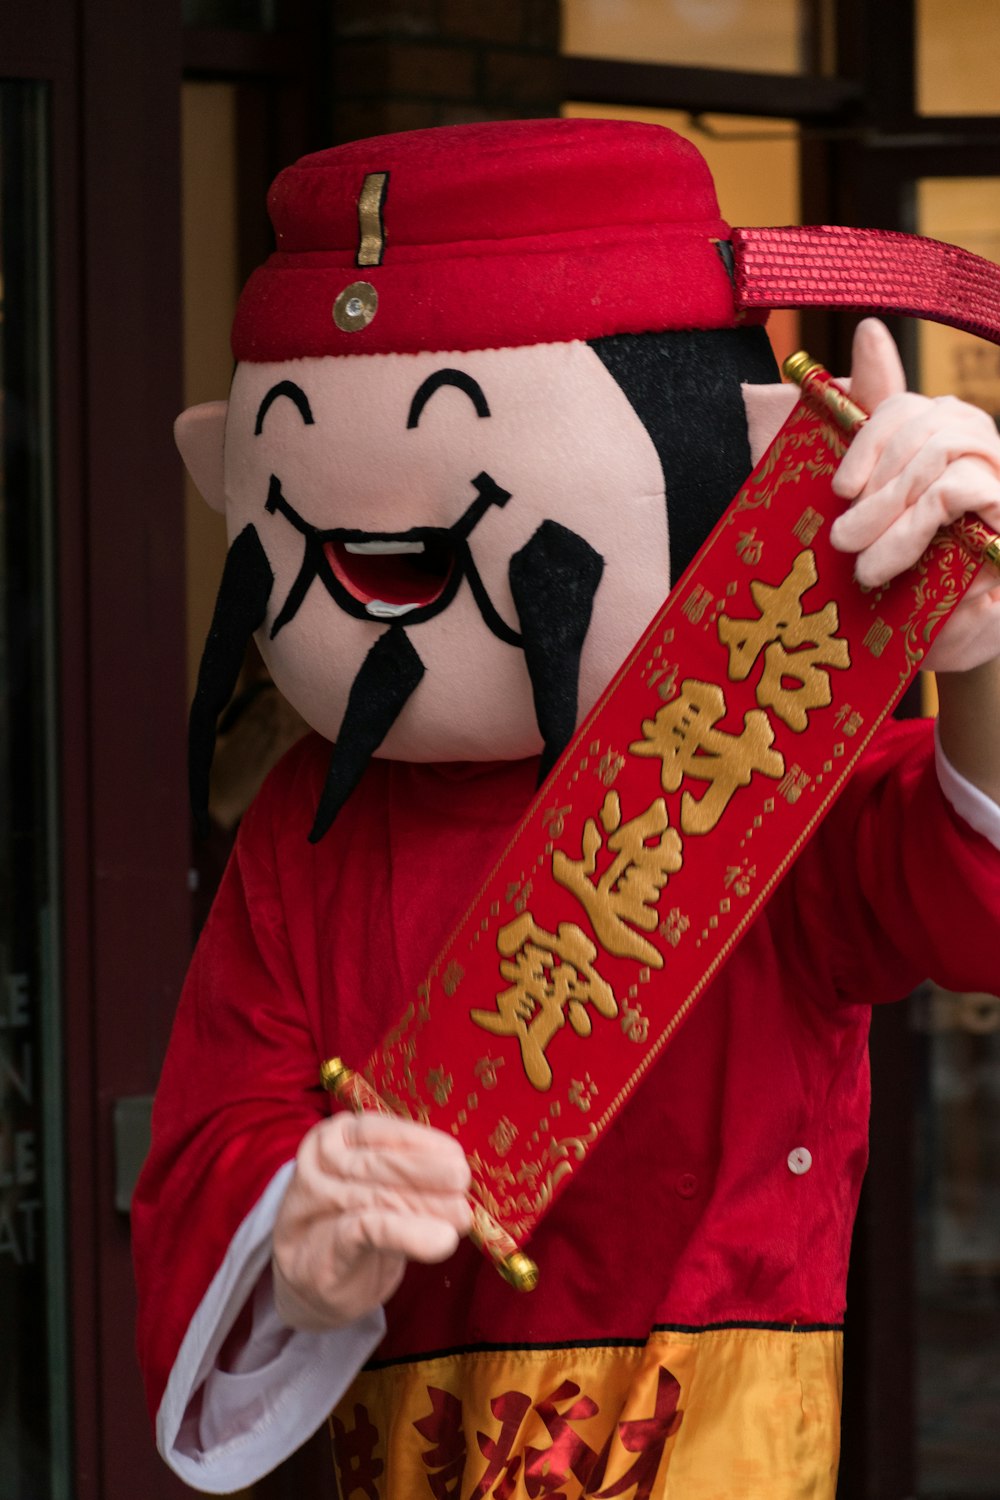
<point x="958" y="44"/>
<point x="962" y="211"/>
<point x="209" y="129"/>
<point x="744" y="34"/>
<point x="33" y="1375"/>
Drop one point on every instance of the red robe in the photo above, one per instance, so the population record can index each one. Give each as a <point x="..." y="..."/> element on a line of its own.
<point x="693" y="1275"/>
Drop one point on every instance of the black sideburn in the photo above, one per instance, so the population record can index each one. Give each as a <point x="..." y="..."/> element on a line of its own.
<point x="553" y="579"/>
<point x="240" y="607"/>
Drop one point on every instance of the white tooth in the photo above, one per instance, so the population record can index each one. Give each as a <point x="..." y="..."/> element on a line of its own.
<point x="385" y="611"/>
<point x="387" y="549"/>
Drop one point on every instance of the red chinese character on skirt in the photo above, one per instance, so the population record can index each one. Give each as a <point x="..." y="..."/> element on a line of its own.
<point x="443" y="1427"/>
<point x="546" y="1469"/>
<point x="354" y="1452"/>
<point x="647" y="1437"/>
<point x="500" y="1478"/>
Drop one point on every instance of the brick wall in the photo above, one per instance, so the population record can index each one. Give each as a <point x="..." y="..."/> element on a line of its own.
<point x="404" y="64"/>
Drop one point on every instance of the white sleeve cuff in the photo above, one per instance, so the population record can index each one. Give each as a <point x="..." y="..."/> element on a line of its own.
<point x="978" y="810"/>
<point x="222" y="1430"/>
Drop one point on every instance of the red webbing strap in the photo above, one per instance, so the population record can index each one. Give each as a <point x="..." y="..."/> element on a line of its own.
<point x="879" y="270"/>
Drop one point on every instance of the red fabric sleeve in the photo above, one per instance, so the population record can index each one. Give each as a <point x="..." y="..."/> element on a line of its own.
<point x="238" y="1091"/>
<point x="895" y="887"/>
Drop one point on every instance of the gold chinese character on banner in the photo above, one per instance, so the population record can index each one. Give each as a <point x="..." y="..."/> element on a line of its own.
<point x="739" y="877"/>
<point x="684" y="737"/>
<point x="610" y="768"/>
<point x="503" y="1136"/>
<point x="675" y="926"/>
<point x="486" y="1070"/>
<point x="696" y="603"/>
<point x="807" y="526"/>
<point x="664" y="679"/>
<point x="849" y="720"/>
<point x="552" y="979"/>
<point x="878" y="637"/>
<point x="750" y="547"/>
<point x="796" y="646"/>
<point x="440" y="1084"/>
<point x="452" y="977"/>
<point x="625" y="895"/>
<point x="793" y="784"/>
<point x="633" y="1023"/>
<point x="554" y="819"/>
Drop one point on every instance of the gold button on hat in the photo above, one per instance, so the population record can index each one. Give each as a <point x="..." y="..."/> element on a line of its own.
<point x="355" y="307"/>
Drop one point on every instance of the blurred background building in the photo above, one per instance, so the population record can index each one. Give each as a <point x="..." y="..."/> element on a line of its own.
<point x="137" y="139"/>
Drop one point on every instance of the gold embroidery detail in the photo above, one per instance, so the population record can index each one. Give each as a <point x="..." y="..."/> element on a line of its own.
<point x="371" y="247"/>
<point x="878" y="637"/>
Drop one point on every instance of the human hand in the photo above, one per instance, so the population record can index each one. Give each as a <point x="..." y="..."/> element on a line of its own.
<point x="917" y="465"/>
<point x="369" y="1192"/>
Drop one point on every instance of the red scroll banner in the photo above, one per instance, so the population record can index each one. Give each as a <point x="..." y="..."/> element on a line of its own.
<point x="678" y="807"/>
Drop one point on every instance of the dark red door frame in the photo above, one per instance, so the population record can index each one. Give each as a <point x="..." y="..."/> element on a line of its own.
<point x="113" y="70"/>
<point x="114" y="139"/>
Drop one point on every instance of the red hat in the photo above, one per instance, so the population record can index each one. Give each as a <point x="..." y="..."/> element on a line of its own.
<point x="544" y="231"/>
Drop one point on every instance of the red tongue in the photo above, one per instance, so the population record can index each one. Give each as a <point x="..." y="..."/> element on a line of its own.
<point x="395" y="578"/>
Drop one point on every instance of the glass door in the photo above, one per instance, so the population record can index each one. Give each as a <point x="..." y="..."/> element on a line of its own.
<point x="34" y="1382"/>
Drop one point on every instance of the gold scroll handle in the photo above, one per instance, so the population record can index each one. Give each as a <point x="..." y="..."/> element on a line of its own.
<point x="355" y="1092"/>
<point x="823" y="392"/>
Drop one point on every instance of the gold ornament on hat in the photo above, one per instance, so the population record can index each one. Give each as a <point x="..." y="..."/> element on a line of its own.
<point x="355" y="307"/>
<point x="371" y="225"/>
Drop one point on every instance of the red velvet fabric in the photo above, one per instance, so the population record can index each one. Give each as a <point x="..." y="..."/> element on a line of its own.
<point x="315" y="950"/>
<point x="524" y="232"/>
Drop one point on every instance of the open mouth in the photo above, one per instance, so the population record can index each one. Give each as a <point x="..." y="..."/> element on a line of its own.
<point x="388" y="575"/>
<point x="393" y="576"/>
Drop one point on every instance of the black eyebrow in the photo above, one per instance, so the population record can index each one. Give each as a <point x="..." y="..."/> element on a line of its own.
<point x="294" y="393"/>
<point x="457" y="378"/>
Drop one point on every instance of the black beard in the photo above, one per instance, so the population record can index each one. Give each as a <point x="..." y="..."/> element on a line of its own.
<point x="553" y="580"/>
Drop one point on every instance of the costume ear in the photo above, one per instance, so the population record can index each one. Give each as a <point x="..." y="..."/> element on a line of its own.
<point x="767" y="407"/>
<point x="199" y="434"/>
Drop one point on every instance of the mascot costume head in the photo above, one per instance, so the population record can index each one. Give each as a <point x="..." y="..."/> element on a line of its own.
<point x="492" y="393"/>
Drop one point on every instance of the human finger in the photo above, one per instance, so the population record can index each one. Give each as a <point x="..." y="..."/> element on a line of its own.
<point x="421" y="1237"/>
<point x="376" y="1148"/>
<point x="967" y="485"/>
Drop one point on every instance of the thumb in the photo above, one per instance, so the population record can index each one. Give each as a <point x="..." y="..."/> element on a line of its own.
<point x="876" y="368"/>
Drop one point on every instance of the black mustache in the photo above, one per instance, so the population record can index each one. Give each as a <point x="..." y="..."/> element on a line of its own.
<point x="315" y="563"/>
<point x="553" y="579"/>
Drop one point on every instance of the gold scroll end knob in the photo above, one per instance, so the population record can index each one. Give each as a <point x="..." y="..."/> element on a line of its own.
<point x="520" y="1270"/>
<point x="333" y="1074"/>
<point x="798" y="365"/>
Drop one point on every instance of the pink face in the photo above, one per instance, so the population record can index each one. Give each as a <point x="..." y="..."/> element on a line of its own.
<point x="368" y="478"/>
